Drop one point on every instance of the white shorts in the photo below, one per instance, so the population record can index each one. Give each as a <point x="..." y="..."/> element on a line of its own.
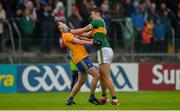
<point x="105" y="55"/>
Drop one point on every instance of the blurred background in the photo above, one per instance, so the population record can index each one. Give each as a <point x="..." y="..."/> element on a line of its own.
<point x="138" y="30"/>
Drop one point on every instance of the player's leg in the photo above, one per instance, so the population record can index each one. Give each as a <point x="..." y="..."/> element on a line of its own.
<point x="76" y="88"/>
<point x="105" y="73"/>
<point x="103" y="86"/>
<point x="104" y="89"/>
<point x="94" y="72"/>
<point x="101" y="58"/>
<point x="105" y="56"/>
<point x="74" y="78"/>
<point x="79" y="83"/>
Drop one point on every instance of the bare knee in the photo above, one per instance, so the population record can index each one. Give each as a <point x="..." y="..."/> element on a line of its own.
<point x="97" y="75"/>
<point x="80" y="82"/>
<point x="94" y="73"/>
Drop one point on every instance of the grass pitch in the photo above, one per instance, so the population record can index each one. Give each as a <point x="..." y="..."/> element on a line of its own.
<point x="167" y="100"/>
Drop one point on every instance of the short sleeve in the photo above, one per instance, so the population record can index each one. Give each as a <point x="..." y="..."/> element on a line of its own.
<point x="94" y="24"/>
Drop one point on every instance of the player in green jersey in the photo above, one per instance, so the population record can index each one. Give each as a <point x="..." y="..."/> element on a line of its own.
<point x="97" y="30"/>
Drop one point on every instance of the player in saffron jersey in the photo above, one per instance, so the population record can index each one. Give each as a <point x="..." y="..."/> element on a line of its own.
<point x="80" y="58"/>
<point x="97" y="30"/>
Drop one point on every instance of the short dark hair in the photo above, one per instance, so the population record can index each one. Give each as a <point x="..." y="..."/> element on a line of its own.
<point x="96" y="10"/>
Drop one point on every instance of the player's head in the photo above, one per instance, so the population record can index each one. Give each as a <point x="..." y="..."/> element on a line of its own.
<point x="95" y="13"/>
<point x="61" y="26"/>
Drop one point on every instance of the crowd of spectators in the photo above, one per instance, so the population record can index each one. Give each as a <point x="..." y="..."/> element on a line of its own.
<point x="148" y="23"/>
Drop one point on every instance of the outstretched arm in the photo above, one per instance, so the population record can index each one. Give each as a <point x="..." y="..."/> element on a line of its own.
<point x="86" y="39"/>
<point x="86" y="34"/>
<point x="81" y="30"/>
<point x="82" y="42"/>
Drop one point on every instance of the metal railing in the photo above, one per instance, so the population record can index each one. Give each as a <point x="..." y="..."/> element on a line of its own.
<point x="18" y="33"/>
<point x="8" y="35"/>
<point x="15" y="54"/>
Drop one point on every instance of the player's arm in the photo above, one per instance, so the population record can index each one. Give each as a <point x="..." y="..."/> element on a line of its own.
<point x="86" y="34"/>
<point x="81" y="30"/>
<point x="82" y="42"/>
<point x="86" y="39"/>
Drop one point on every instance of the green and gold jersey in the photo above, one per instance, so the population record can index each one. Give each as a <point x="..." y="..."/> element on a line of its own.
<point x="99" y="32"/>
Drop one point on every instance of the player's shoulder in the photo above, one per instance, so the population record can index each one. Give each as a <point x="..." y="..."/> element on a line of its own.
<point x="65" y="35"/>
<point x="97" y="22"/>
<point x="94" y="21"/>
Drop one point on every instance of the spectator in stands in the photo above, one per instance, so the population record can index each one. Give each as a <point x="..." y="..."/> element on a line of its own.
<point x="24" y="1"/>
<point x="163" y="7"/>
<point x="106" y="15"/>
<point x="39" y="4"/>
<point x="147" y="34"/>
<point x="93" y="5"/>
<point x="46" y="29"/>
<point x="177" y="32"/>
<point x="30" y="6"/>
<point x="2" y="18"/>
<point x="59" y="16"/>
<point x="152" y="12"/>
<point x="19" y="14"/>
<point x="167" y="21"/>
<point x="178" y="7"/>
<point x="85" y="12"/>
<point x="128" y="34"/>
<point x="10" y="7"/>
<point x="27" y="5"/>
<point x="159" y="36"/>
<point x="75" y="19"/>
<point x="106" y="2"/>
<point x="43" y="1"/>
<point x="146" y="4"/>
<point x="128" y="8"/>
<point x="135" y="4"/>
<point x="138" y="19"/>
<point x="143" y="9"/>
<point x="21" y="4"/>
<point x="59" y="12"/>
<point x="118" y="11"/>
<point x="138" y="23"/>
<point x="116" y="29"/>
<point x="150" y="26"/>
<point x="26" y="26"/>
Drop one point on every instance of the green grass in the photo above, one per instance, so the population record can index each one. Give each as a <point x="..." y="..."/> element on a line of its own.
<point x="149" y="100"/>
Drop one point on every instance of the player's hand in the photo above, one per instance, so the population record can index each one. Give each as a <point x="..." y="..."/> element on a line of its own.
<point x="97" y="42"/>
<point x="67" y="30"/>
